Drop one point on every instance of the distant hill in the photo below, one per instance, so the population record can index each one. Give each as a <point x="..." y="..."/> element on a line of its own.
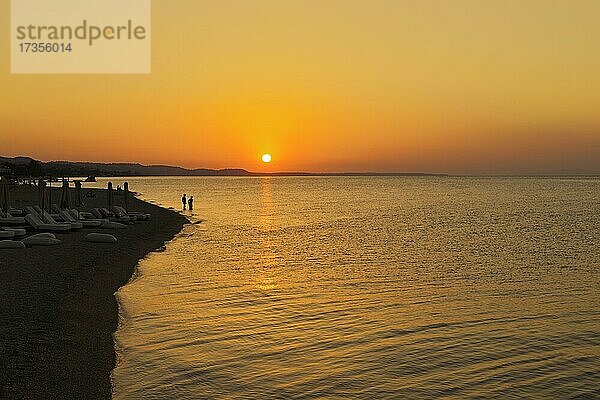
<point x="26" y="166"/>
<point x="127" y="169"/>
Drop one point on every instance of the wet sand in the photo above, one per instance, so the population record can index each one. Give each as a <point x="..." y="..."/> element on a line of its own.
<point x="57" y="306"/>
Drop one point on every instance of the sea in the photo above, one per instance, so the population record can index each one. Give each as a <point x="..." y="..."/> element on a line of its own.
<point x="366" y="288"/>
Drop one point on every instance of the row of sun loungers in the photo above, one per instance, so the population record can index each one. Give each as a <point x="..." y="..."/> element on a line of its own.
<point x="15" y="224"/>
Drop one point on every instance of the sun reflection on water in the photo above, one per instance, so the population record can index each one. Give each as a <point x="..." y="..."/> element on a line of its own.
<point x="268" y="255"/>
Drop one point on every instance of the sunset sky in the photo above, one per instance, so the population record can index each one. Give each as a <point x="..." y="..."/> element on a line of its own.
<point x="460" y="86"/>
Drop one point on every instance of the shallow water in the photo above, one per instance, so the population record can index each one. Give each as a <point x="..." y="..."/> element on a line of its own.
<point x="360" y="287"/>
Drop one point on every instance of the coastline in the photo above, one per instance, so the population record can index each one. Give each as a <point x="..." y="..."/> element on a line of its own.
<point x="58" y="310"/>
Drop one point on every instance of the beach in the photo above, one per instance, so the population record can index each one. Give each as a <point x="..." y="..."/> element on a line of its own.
<point x="58" y="311"/>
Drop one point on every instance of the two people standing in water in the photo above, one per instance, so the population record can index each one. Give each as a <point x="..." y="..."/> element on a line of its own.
<point x="189" y="202"/>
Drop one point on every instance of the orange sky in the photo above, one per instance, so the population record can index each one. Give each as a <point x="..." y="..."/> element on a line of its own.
<point x="460" y="86"/>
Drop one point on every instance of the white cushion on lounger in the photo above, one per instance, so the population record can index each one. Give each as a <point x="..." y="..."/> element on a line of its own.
<point x="100" y="238"/>
<point x="8" y="219"/>
<point x="15" y="212"/>
<point x="17" y="231"/>
<point x="11" y="244"/>
<point x="6" y="235"/>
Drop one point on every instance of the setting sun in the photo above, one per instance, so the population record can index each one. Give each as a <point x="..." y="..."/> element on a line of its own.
<point x="266" y="158"/>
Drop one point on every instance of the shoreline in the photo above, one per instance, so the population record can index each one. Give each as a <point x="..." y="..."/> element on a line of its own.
<point x="58" y="309"/>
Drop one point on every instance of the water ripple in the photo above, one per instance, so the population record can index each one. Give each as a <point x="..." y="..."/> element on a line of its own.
<point x="299" y="288"/>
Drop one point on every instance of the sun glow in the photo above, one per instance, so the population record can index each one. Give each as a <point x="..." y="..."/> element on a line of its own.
<point x="266" y="158"/>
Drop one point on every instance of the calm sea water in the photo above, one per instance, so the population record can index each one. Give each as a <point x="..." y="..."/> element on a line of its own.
<point x="367" y="288"/>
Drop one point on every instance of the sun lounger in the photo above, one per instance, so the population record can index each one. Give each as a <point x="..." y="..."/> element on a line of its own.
<point x="120" y="211"/>
<point x="17" y="231"/>
<point x="83" y="215"/>
<point x="105" y="222"/>
<point x="96" y="213"/>
<point x="117" y="213"/>
<point x="35" y="221"/>
<point x="15" y="212"/>
<point x="8" y="219"/>
<point x="32" y="210"/>
<point x="4" y="235"/>
<point x="50" y="219"/>
<point x="104" y="213"/>
<point x="123" y="218"/>
<point x="66" y="217"/>
<point x="77" y="216"/>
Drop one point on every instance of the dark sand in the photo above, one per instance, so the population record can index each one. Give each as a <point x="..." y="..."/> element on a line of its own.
<point x="57" y="306"/>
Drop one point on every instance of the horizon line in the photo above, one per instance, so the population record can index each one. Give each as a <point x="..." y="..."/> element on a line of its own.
<point x="246" y="172"/>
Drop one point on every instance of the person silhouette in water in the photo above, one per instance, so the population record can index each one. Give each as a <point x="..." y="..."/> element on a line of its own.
<point x="191" y="203"/>
<point x="184" y="201"/>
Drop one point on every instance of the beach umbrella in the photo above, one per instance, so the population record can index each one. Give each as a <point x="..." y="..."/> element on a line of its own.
<point x="49" y="195"/>
<point x="78" y="189"/>
<point x="42" y="193"/>
<point x="110" y="195"/>
<point x="65" y="198"/>
<point x="126" y="195"/>
<point x="4" y="197"/>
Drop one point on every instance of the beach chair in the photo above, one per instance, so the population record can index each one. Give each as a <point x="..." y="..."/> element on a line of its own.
<point x="15" y="212"/>
<point x="55" y="209"/>
<point x="17" y="231"/>
<point x="5" y="235"/>
<point x="118" y="214"/>
<point x="105" y="223"/>
<point x="35" y="221"/>
<point x="67" y="217"/>
<point x="50" y="219"/>
<point x="32" y="210"/>
<point x="120" y="211"/>
<point x="104" y="213"/>
<point x="8" y="219"/>
<point x="123" y="218"/>
<point x="83" y="215"/>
